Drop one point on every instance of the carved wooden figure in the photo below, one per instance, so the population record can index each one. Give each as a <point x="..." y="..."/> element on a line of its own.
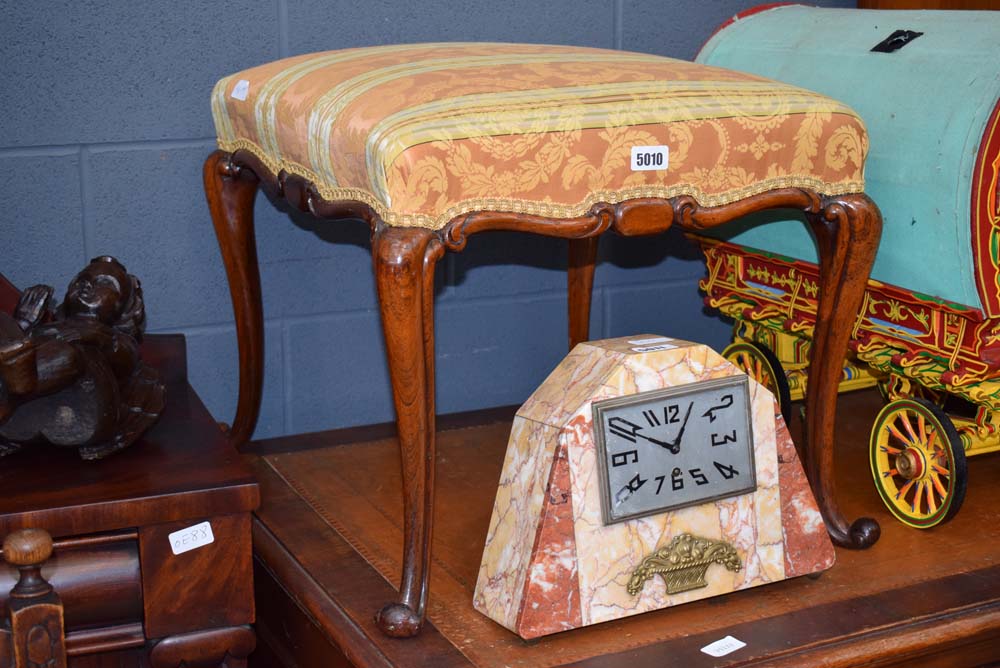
<point x="72" y="376"/>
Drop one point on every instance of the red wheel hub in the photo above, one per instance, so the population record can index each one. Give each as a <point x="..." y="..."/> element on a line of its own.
<point x="911" y="463"/>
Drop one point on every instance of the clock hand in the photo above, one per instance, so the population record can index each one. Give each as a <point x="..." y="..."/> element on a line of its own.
<point x="654" y="441"/>
<point x="675" y="446"/>
<point x="630" y="430"/>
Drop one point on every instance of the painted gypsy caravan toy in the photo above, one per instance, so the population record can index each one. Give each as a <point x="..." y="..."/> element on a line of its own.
<point x="927" y="85"/>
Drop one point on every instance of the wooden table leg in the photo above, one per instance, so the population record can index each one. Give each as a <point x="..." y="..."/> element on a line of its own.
<point x="582" y="259"/>
<point x="230" y="191"/>
<point x="404" y="260"/>
<point x="847" y="231"/>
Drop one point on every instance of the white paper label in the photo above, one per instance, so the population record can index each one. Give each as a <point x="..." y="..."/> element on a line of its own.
<point x="723" y="647"/>
<point x="241" y="89"/>
<point x="653" y="349"/>
<point x="646" y="342"/>
<point x="191" y="538"/>
<point x="650" y="158"/>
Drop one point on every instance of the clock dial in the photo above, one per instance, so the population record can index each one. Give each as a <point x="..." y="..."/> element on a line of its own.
<point x="672" y="448"/>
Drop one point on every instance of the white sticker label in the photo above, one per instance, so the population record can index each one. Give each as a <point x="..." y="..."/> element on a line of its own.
<point x="653" y="349"/>
<point x="646" y="342"/>
<point x="241" y="89"/>
<point x="723" y="647"/>
<point x="649" y="158"/>
<point x="191" y="538"/>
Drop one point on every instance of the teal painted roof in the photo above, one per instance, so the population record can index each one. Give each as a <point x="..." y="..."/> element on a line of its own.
<point x="925" y="105"/>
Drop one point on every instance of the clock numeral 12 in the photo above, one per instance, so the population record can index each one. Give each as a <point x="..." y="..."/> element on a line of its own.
<point x="671" y="415"/>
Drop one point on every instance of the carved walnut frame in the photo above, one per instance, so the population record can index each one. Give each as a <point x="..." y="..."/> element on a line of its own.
<point x="847" y="230"/>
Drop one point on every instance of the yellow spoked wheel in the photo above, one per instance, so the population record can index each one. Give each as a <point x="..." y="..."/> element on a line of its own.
<point x="763" y="366"/>
<point x="918" y="463"/>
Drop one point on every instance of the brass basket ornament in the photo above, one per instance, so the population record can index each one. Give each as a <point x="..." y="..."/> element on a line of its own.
<point x="682" y="564"/>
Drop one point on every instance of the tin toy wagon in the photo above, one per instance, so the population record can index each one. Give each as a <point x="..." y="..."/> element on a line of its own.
<point x="929" y="330"/>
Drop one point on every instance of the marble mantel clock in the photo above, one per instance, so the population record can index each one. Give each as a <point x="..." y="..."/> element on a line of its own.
<point x="645" y="472"/>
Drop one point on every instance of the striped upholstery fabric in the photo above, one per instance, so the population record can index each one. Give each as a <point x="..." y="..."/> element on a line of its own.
<point x="426" y="132"/>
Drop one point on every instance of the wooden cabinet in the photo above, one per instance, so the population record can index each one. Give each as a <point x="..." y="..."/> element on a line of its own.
<point x="128" y="599"/>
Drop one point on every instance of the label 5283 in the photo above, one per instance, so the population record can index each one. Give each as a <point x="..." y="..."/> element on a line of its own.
<point x="650" y="158"/>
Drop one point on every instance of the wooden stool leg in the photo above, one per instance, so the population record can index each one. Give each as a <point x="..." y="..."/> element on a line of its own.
<point x="582" y="258"/>
<point x="404" y="260"/>
<point x="847" y="232"/>
<point x="230" y="191"/>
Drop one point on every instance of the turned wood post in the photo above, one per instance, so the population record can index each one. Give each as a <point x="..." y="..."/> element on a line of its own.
<point x="35" y="614"/>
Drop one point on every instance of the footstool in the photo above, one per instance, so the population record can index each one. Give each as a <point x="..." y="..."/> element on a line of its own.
<point x="432" y="143"/>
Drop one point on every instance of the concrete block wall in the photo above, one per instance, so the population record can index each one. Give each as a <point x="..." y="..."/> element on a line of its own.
<point x="105" y="123"/>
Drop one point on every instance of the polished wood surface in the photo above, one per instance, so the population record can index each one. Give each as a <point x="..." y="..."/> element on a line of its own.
<point x="217" y="579"/>
<point x="848" y="229"/>
<point x="916" y="599"/>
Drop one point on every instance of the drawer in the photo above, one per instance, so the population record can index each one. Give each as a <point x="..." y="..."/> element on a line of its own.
<point x="97" y="578"/>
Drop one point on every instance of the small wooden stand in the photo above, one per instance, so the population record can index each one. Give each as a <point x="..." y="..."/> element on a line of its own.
<point x="112" y="579"/>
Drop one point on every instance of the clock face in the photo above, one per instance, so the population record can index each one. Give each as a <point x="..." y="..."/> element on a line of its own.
<point x="676" y="447"/>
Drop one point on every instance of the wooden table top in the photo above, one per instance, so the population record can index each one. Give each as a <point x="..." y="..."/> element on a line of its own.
<point x="181" y="469"/>
<point x="330" y="527"/>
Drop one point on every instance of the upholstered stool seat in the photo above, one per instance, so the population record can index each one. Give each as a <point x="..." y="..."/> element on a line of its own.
<point x="423" y="133"/>
<point x="430" y="143"/>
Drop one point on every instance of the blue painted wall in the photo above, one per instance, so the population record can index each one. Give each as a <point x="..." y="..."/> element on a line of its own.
<point x="105" y="122"/>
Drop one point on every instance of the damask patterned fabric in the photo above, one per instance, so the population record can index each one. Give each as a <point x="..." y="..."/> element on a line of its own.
<point x="426" y="132"/>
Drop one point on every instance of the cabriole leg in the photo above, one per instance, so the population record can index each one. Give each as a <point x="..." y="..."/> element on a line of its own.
<point x="404" y="260"/>
<point x="847" y="231"/>
<point x="230" y="191"/>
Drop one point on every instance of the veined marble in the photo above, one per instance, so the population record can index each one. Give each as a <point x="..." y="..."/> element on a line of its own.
<point x="550" y="564"/>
